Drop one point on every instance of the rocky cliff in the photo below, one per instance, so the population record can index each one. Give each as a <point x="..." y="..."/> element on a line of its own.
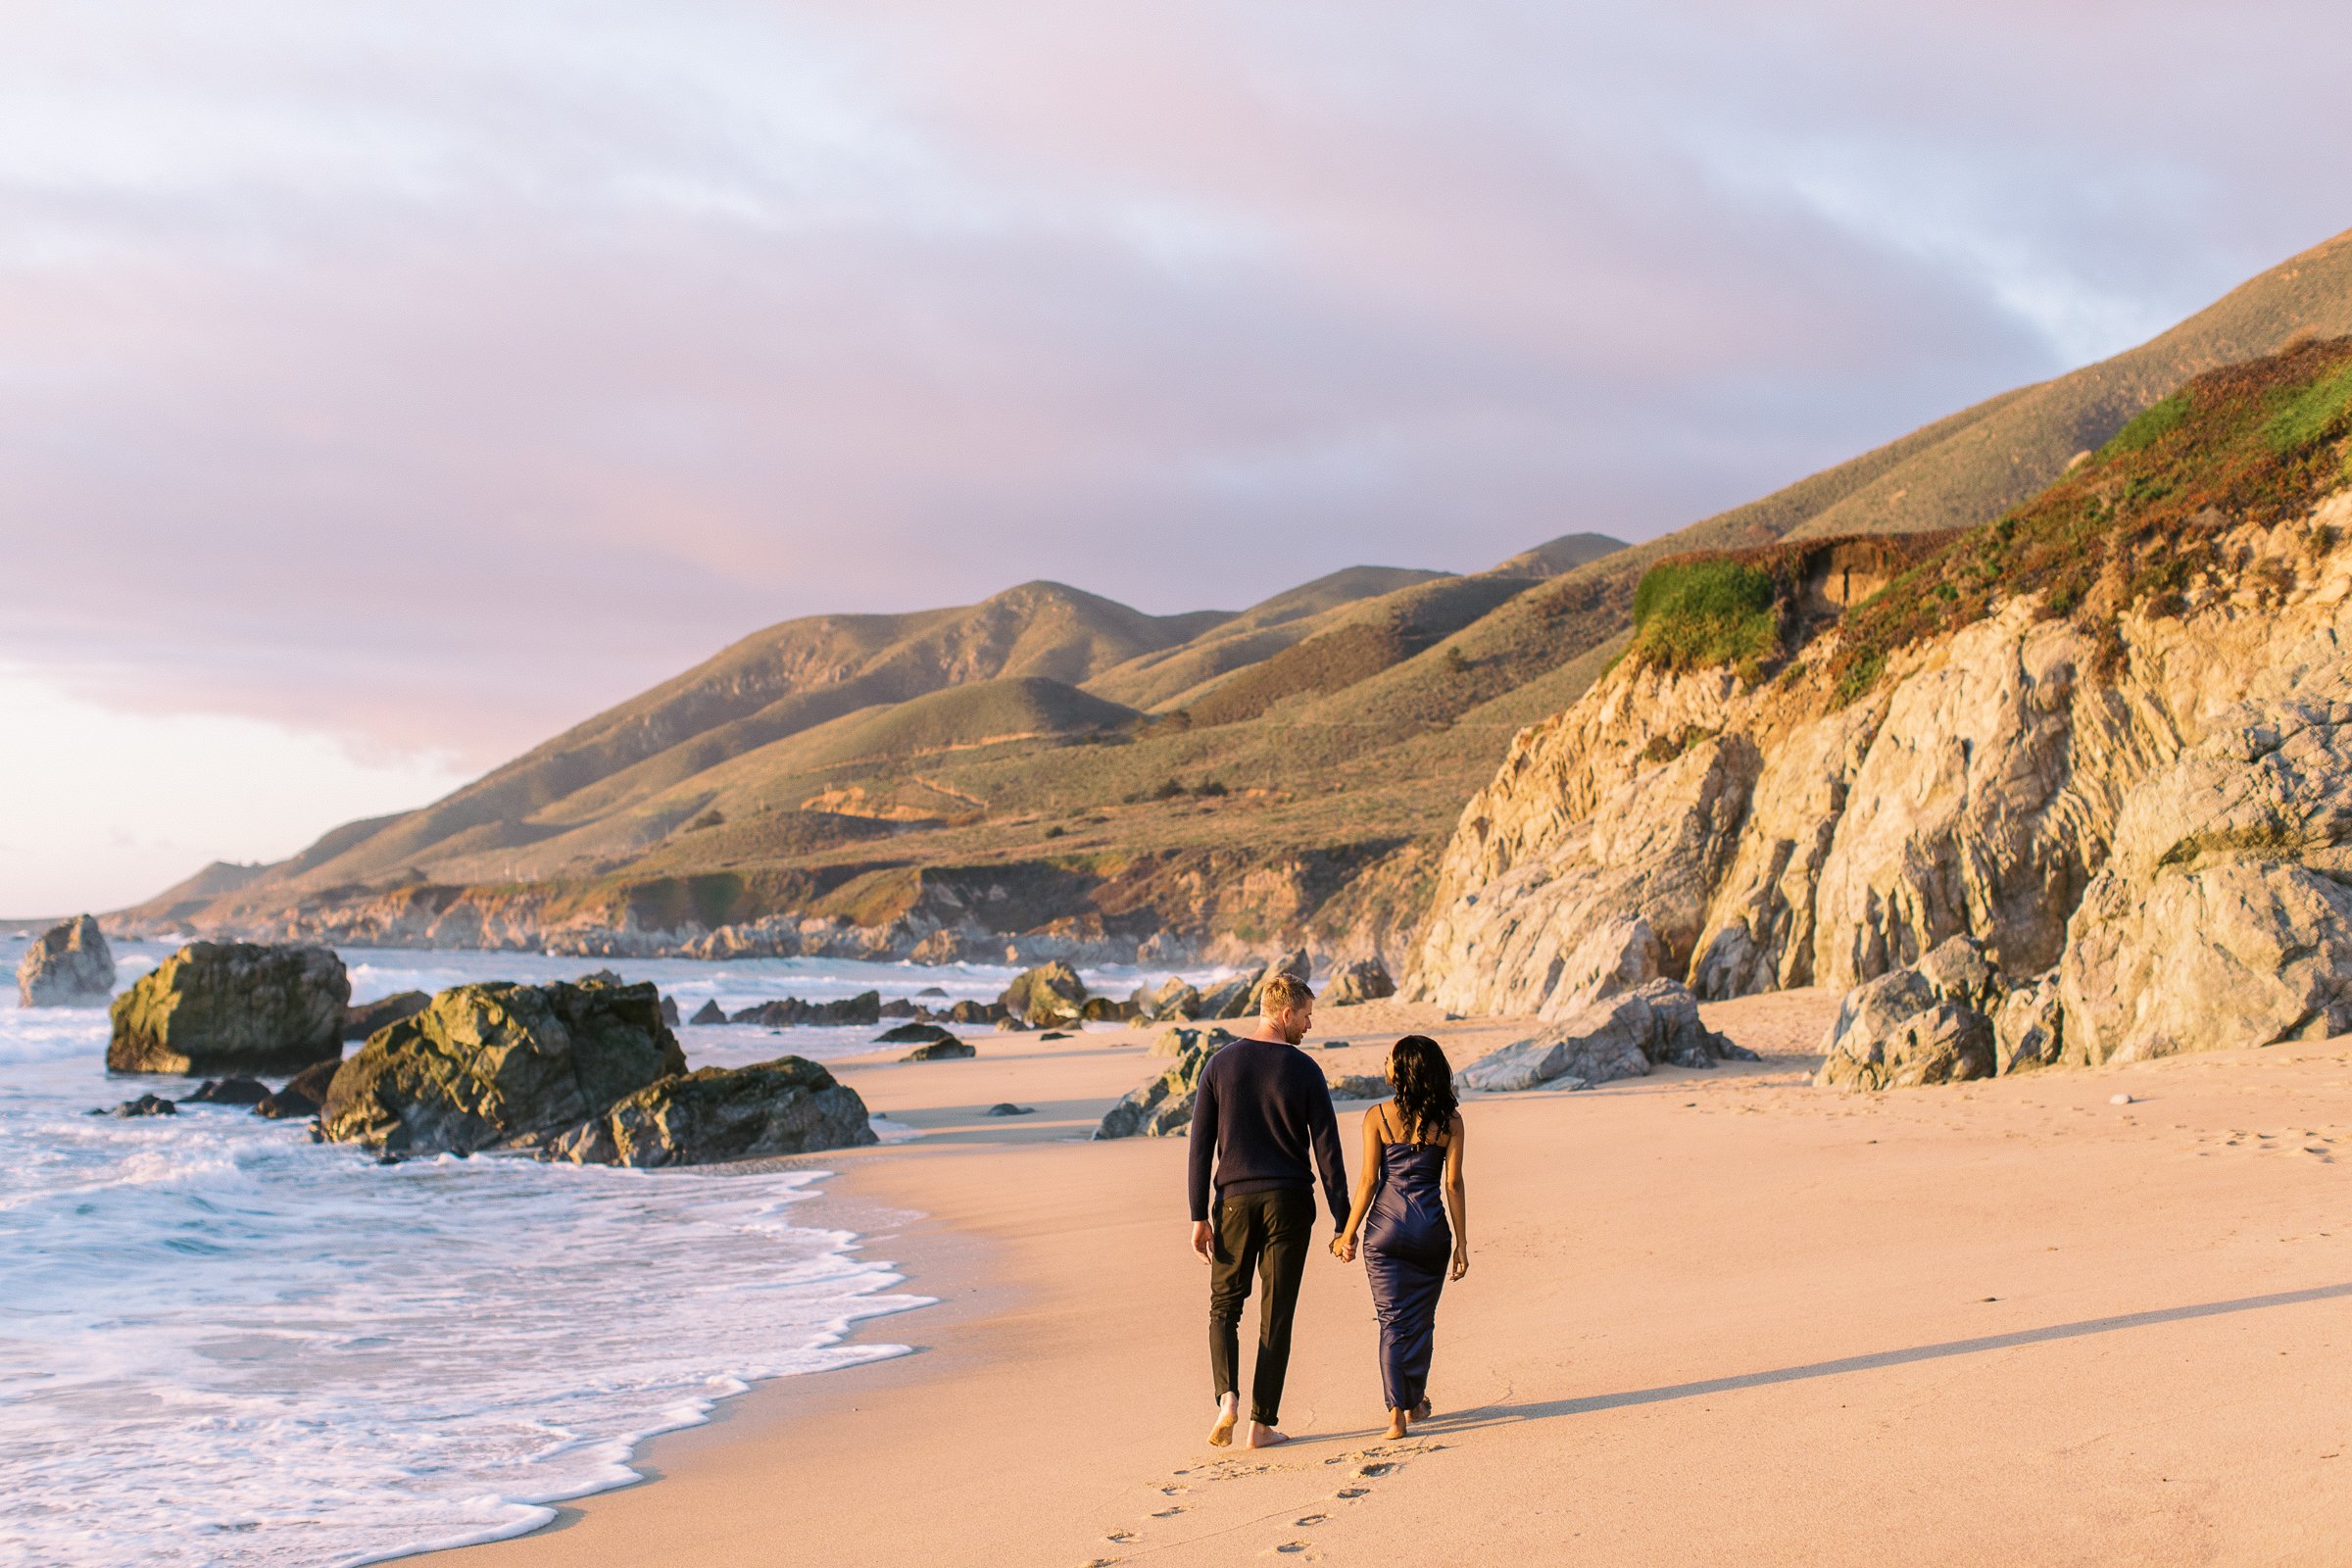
<point x="2104" y="739"/>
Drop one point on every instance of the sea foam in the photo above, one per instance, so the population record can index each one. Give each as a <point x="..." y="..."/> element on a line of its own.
<point x="221" y="1343"/>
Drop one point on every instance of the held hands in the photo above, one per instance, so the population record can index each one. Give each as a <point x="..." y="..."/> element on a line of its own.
<point x="1343" y="1246"/>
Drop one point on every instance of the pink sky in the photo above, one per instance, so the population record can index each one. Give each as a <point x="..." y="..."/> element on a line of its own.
<point x="420" y="378"/>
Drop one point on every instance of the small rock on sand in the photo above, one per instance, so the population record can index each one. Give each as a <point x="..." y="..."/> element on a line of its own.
<point x="1007" y="1108"/>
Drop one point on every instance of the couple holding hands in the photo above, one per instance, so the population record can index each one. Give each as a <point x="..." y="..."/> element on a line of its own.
<point x="1262" y="1106"/>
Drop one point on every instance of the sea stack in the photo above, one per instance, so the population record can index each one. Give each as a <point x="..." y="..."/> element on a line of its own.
<point x="70" y="967"/>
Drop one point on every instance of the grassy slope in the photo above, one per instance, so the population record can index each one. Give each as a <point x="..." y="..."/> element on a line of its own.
<point x="1998" y="462"/>
<point x="1164" y="676"/>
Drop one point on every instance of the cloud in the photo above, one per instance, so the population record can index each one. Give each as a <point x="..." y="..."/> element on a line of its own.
<point x="431" y="376"/>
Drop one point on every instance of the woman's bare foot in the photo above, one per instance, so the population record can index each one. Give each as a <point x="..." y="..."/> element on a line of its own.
<point x="1422" y="1411"/>
<point x="1397" y="1425"/>
<point x="1262" y="1436"/>
<point x="1229" y="1410"/>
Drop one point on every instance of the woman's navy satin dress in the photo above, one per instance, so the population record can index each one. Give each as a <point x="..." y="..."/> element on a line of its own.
<point x="1407" y="1248"/>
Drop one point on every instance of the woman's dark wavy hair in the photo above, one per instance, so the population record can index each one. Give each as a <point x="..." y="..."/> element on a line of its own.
<point x="1425" y="1098"/>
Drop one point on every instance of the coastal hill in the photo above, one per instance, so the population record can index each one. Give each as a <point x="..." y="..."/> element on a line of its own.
<point x="1049" y="772"/>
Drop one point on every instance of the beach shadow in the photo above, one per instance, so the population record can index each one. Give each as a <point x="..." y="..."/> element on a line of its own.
<point x="1502" y="1415"/>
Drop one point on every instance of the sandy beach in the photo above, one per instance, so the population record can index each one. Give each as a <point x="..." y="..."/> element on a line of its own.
<point x="1712" y="1317"/>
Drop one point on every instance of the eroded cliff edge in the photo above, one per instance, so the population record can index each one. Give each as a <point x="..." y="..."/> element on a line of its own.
<point x="2103" y="739"/>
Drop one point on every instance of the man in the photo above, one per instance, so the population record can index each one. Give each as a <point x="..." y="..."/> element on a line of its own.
<point x="1262" y="1103"/>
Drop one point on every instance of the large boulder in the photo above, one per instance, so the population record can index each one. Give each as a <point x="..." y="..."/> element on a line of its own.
<point x="364" y="1018"/>
<point x="1174" y="998"/>
<point x="1233" y="998"/>
<point x="1928" y="1024"/>
<point x="1049" y="994"/>
<point x="1163" y="1107"/>
<point x="1622" y="1036"/>
<point x="2224" y="916"/>
<point x="2029" y="1027"/>
<point x="914" y="1034"/>
<point x="232" y="1008"/>
<point x="1359" y="981"/>
<point x="70" y="967"/>
<point x="500" y="1063"/>
<point x="1177" y="1041"/>
<point x="787" y="1106"/>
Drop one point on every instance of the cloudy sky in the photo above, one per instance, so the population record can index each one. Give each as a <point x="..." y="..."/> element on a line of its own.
<point x="383" y="387"/>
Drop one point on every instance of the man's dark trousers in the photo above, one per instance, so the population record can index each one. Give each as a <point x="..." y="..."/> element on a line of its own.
<point x="1269" y="1233"/>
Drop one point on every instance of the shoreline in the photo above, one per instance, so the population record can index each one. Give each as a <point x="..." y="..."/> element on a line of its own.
<point x="1702" y="1305"/>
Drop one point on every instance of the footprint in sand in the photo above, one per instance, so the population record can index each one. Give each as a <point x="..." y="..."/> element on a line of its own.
<point x="1308" y="1521"/>
<point x="1292" y="1545"/>
<point x="1354" y="1492"/>
<point x="1381" y="1469"/>
<point x="1168" y="1513"/>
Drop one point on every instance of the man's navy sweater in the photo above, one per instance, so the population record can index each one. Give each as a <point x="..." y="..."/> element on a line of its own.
<point x="1261" y="1105"/>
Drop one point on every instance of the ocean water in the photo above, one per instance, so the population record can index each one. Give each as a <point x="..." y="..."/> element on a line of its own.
<point x="221" y="1343"/>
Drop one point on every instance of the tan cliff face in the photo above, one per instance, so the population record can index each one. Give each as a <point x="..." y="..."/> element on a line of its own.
<point x="1748" y="840"/>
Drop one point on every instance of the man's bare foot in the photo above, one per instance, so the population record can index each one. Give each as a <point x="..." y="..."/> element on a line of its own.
<point x="1397" y="1425"/>
<point x="1262" y="1436"/>
<point x="1229" y="1410"/>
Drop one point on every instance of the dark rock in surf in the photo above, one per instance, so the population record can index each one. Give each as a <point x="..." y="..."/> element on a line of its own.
<point x="227" y="1092"/>
<point x="364" y="1018"/>
<point x="233" y="1007"/>
<point x="787" y="1106"/>
<point x="500" y="1064"/>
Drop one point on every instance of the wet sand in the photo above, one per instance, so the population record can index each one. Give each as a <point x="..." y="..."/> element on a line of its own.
<point x="1712" y="1317"/>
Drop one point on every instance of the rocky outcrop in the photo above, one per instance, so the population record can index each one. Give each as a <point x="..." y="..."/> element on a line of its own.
<point x="144" y="1105"/>
<point x="300" y="1096"/>
<point x="1926" y="1023"/>
<point x="1164" y="1107"/>
<point x="709" y="1012"/>
<point x="1359" y="981"/>
<point x="364" y="1018"/>
<point x="914" y="1034"/>
<point x="860" y="1012"/>
<point x="2224" y="916"/>
<point x="227" y="1092"/>
<point x="1617" y="1037"/>
<point x="1232" y="997"/>
<point x="1049" y="994"/>
<point x="1362" y="1086"/>
<point x="1587" y="868"/>
<point x="68" y="965"/>
<point x="1180" y="1041"/>
<point x="2040" y="787"/>
<point x="787" y="1106"/>
<point x="948" y="1049"/>
<point x="2028" y="1029"/>
<point x="497" y="1064"/>
<point x="1173" y="998"/>
<point x="231" y="1008"/>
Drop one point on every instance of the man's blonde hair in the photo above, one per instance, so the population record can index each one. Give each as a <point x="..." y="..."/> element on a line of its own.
<point x="1281" y="993"/>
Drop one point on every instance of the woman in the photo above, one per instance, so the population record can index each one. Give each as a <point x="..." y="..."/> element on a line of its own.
<point x="1412" y="1174"/>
